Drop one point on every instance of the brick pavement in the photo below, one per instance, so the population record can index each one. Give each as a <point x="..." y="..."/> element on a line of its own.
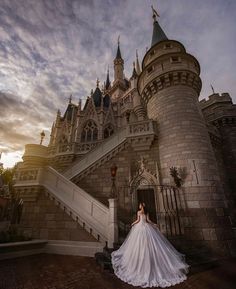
<point x="47" y="271"/>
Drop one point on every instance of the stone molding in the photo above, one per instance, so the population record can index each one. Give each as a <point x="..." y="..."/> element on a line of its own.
<point x="168" y="79"/>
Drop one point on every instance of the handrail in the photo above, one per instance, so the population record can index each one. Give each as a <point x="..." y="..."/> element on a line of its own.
<point x="96" y="153"/>
<point x="83" y="205"/>
<point x="94" y="216"/>
<point x="120" y="137"/>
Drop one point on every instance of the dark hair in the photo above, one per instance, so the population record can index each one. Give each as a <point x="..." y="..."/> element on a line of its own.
<point x="144" y="207"/>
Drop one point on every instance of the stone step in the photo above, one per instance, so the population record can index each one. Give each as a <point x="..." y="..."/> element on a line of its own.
<point x="24" y="248"/>
<point x="76" y="248"/>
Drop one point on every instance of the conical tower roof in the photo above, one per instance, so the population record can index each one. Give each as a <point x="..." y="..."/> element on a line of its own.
<point x="158" y="34"/>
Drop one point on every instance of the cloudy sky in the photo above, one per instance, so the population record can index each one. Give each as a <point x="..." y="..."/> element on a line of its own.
<point x="50" y="49"/>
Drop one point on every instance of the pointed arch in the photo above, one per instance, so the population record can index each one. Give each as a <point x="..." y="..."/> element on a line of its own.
<point x="143" y="178"/>
<point x="108" y="130"/>
<point x="89" y="131"/>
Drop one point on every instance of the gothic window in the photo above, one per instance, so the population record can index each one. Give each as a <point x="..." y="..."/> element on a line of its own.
<point x="108" y="131"/>
<point x="150" y="69"/>
<point x="167" y="46"/>
<point x="90" y="132"/>
<point x="175" y="59"/>
<point x="63" y="140"/>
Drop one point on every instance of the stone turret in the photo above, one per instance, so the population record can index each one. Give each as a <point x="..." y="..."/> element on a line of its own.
<point x="169" y="84"/>
<point x="118" y="65"/>
<point x="119" y="83"/>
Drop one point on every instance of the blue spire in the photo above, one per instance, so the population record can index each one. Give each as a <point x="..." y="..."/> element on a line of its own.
<point x="158" y="34"/>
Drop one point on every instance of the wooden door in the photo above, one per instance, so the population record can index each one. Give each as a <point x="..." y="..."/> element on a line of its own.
<point x="147" y="196"/>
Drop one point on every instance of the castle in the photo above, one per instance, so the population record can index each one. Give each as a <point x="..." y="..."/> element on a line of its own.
<point x="147" y="138"/>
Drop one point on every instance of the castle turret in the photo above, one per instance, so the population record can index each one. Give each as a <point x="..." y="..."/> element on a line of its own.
<point x="169" y="84"/>
<point x="119" y="83"/>
<point x="118" y="65"/>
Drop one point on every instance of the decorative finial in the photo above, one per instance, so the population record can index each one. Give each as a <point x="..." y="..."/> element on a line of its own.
<point x="138" y="70"/>
<point x="70" y="98"/>
<point x="98" y="82"/>
<point x="118" y="40"/>
<point x="91" y="92"/>
<point x="155" y="14"/>
<point x="79" y="103"/>
<point x="42" y="136"/>
<point x="212" y="89"/>
<point x="134" y="64"/>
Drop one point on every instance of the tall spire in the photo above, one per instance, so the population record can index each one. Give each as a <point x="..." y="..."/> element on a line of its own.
<point x="137" y="63"/>
<point x="134" y="74"/>
<point x="118" y="53"/>
<point x="118" y="64"/>
<point x="108" y="83"/>
<point x="158" y="34"/>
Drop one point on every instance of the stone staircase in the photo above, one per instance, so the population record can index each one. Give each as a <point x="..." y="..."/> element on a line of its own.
<point x="140" y="135"/>
<point x="91" y="214"/>
<point x="94" y="216"/>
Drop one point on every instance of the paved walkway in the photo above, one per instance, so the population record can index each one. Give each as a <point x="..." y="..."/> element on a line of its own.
<point x="46" y="271"/>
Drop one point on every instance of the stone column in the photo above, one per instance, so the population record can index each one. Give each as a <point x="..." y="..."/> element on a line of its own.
<point x="112" y="223"/>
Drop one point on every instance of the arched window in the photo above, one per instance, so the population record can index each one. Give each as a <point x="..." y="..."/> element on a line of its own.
<point x="89" y="132"/>
<point x="108" y="131"/>
<point x="63" y="144"/>
<point x="63" y="140"/>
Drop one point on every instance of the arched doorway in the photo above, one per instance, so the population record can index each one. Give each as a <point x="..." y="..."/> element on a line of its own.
<point x="147" y="196"/>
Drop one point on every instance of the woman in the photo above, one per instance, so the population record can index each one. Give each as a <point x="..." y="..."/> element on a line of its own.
<point x="146" y="258"/>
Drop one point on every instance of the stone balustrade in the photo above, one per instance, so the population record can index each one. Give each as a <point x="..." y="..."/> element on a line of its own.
<point x="141" y="128"/>
<point x="95" y="217"/>
<point x="74" y="148"/>
<point x="29" y="176"/>
<point x="112" y="145"/>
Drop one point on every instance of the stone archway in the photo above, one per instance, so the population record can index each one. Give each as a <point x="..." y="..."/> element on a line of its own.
<point x="144" y="188"/>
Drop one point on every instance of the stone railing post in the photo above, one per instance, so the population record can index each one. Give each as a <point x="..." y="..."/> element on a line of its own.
<point x="112" y="223"/>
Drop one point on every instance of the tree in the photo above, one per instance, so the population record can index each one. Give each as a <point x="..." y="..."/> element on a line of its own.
<point x="7" y="177"/>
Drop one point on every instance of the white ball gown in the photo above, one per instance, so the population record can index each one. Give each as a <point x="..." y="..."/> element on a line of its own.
<point x="147" y="258"/>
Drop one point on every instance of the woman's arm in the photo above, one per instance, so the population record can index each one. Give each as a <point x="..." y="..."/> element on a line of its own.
<point x="137" y="220"/>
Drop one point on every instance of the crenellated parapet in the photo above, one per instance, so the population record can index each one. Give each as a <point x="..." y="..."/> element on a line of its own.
<point x="169" y="79"/>
<point x="219" y="110"/>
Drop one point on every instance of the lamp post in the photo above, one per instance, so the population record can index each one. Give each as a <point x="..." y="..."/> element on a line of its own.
<point x="113" y="179"/>
<point x="42" y="135"/>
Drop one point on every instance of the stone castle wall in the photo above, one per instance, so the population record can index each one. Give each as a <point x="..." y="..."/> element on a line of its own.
<point x="98" y="183"/>
<point x="42" y="219"/>
<point x="204" y="218"/>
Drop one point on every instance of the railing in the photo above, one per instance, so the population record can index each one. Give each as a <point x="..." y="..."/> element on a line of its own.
<point x="120" y="137"/>
<point x="28" y="176"/>
<point x="79" y="203"/>
<point x="78" y="148"/>
<point x="96" y="218"/>
<point x="167" y="206"/>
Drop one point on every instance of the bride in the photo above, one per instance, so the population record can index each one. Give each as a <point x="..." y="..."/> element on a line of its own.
<point x="147" y="258"/>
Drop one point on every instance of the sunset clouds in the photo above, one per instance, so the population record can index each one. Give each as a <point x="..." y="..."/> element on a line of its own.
<point x="50" y="49"/>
